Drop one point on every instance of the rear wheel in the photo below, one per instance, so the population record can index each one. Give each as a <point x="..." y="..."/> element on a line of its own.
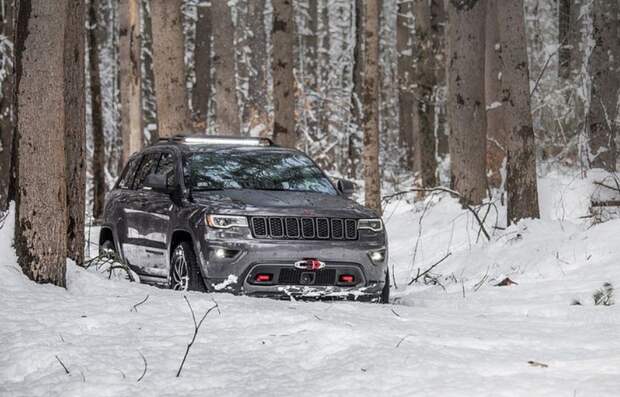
<point x="106" y="248"/>
<point x="184" y="272"/>
<point x="385" y="293"/>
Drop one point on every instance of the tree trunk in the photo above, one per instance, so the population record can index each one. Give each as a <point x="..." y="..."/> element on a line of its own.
<point x="406" y="79"/>
<point x="282" y="70"/>
<point x="130" y="80"/>
<point x="438" y="30"/>
<point x="496" y="132"/>
<point x="521" y="155"/>
<point x="202" y="64"/>
<point x="356" y="100"/>
<point x="256" y="114"/>
<point x="227" y="117"/>
<point x="169" y="67"/>
<point x="7" y="119"/>
<point x="605" y="62"/>
<point x="564" y="25"/>
<point x="370" y="100"/>
<point x="98" y="166"/>
<point x="49" y="79"/>
<point x="75" y="127"/>
<point x="466" y="106"/>
<point x="425" y="159"/>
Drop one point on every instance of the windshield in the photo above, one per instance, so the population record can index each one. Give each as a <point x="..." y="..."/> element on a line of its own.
<point x="259" y="170"/>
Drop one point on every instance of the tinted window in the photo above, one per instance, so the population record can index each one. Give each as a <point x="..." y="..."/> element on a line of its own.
<point x="166" y="167"/>
<point x="260" y="170"/>
<point x="128" y="173"/>
<point x="148" y="166"/>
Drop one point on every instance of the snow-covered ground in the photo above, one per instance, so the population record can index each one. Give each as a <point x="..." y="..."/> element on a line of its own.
<point x="457" y="335"/>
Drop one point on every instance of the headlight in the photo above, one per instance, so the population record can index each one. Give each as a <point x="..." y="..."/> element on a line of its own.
<point x="376" y="225"/>
<point x="226" y="221"/>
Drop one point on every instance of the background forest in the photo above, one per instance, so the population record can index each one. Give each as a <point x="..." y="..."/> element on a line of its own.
<point x="476" y="96"/>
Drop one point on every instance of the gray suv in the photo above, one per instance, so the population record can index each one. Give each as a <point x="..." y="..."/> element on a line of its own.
<point x="243" y="215"/>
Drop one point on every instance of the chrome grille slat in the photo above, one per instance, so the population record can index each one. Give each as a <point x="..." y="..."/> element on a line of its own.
<point x="304" y="228"/>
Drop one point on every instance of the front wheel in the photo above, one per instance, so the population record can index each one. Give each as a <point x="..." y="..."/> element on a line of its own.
<point x="184" y="272"/>
<point x="385" y="293"/>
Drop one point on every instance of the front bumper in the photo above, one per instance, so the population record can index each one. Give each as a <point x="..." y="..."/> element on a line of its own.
<point x="230" y="262"/>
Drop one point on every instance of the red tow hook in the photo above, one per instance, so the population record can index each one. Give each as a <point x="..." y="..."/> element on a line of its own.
<point x="309" y="264"/>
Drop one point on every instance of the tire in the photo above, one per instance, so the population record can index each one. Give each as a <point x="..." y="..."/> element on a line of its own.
<point x="184" y="272"/>
<point x="107" y="248"/>
<point x="385" y="293"/>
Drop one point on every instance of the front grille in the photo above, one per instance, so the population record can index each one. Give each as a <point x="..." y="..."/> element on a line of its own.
<point x="277" y="227"/>
<point x="292" y="276"/>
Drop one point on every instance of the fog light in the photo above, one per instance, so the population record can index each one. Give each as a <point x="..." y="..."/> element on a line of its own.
<point x="220" y="253"/>
<point x="377" y="257"/>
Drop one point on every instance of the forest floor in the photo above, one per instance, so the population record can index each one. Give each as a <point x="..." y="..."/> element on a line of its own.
<point x="458" y="334"/>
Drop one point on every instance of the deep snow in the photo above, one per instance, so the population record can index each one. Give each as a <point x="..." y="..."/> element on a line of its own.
<point x="465" y="337"/>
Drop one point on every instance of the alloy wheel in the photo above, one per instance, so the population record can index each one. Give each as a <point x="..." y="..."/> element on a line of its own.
<point x="180" y="271"/>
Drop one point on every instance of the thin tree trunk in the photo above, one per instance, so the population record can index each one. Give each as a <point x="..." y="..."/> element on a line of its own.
<point x="75" y="127"/>
<point x="323" y="58"/>
<point x="130" y="81"/>
<point x="438" y="30"/>
<point x="99" y="180"/>
<point x="256" y="113"/>
<point x="282" y="70"/>
<point x="370" y="100"/>
<point x="605" y="68"/>
<point x="425" y="159"/>
<point x="496" y="132"/>
<point x="227" y="117"/>
<point x="169" y="67"/>
<point x="564" y="52"/>
<point x="202" y="64"/>
<point x="466" y="106"/>
<point x="43" y="114"/>
<point x="406" y="79"/>
<point x="356" y="100"/>
<point x="521" y="155"/>
<point x="7" y="119"/>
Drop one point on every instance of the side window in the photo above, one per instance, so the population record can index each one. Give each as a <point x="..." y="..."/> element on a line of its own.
<point x="167" y="167"/>
<point x="128" y="173"/>
<point x="148" y="166"/>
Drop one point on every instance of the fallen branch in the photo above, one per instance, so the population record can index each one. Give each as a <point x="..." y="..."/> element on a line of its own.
<point x="196" y="329"/>
<point x="63" y="365"/>
<point x="145" y="367"/>
<point x="444" y="190"/>
<point x="135" y="307"/>
<point x="425" y="272"/>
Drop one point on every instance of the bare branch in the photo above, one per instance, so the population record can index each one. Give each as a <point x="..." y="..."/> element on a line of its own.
<point x="196" y="329"/>
<point x="135" y="307"/>
<point x="63" y="365"/>
<point x="425" y="272"/>
<point x="145" y="367"/>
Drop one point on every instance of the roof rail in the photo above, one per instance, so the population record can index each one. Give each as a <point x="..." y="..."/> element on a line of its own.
<point x="201" y="139"/>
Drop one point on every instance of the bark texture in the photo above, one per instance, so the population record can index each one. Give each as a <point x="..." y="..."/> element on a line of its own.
<point x="466" y="106"/>
<point x="605" y="62"/>
<point x="521" y="155"/>
<point x="169" y="67"/>
<point x="438" y="30"/>
<point x="370" y="100"/>
<point x="256" y="111"/>
<point x="98" y="165"/>
<point x="7" y="119"/>
<point x="564" y="25"/>
<point x="425" y="160"/>
<point x="406" y="79"/>
<point x="496" y="133"/>
<point x="41" y="221"/>
<point x="130" y="77"/>
<point x="283" y="56"/>
<point x="75" y="126"/>
<point x="227" y="117"/>
<point x="202" y="64"/>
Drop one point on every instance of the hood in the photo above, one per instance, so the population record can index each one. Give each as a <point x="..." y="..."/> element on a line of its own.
<point x="268" y="202"/>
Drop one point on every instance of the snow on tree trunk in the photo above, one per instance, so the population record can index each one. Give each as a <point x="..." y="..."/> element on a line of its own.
<point x="50" y="89"/>
<point x="282" y="69"/>
<point x="169" y="67"/>
<point x="406" y="96"/>
<point x="202" y="65"/>
<point x="370" y="100"/>
<point x="7" y="119"/>
<point x="604" y="63"/>
<point x="496" y="132"/>
<point x="130" y="81"/>
<point x="521" y="155"/>
<point x="466" y="106"/>
<point x="98" y="157"/>
<point x="425" y="159"/>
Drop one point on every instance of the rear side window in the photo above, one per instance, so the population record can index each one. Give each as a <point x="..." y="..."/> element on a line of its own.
<point x="148" y="166"/>
<point x="167" y="167"/>
<point x="128" y="174"/>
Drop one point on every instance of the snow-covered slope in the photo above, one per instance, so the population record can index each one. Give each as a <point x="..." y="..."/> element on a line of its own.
<point x="465" y="337"/>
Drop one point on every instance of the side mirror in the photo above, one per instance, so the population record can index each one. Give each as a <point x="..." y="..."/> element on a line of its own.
<point x="157" y="183"/>
<point x="347" y="188"/>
